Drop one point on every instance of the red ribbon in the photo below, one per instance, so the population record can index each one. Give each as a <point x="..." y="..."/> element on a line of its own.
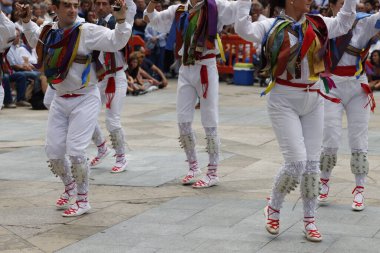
<point x="204" y="80"/>
<point x="332" y="99"/>
<point x="371" y="100"/>
<point x="110" y="91"/>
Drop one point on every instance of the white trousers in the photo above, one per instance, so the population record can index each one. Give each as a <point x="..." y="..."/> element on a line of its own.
<point x="49" y="96"/>
<point x="190" y="88"/>
<point x="1" y="95"/>
<point x="113" y="114"/>
<point x="297" y="120"/>
<point x="354" y="101"/>
<point x="71" y="123"/>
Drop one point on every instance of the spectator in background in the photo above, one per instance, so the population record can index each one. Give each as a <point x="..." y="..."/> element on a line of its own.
<point x="152" y="70"/>
<point x="156" y="42"/>
<point x="50" y="14"/>
<point x="322" y="3"/>
<point x="6" y="6"/>
<point x="91" y="17"/>
<point x="376" y="6"/>
<point x="21" y="72"/>
<point x="369" y="6"/>
<point x="373" y="70"/>
<point x="141" y="78"/>
<point x="84" y="8"/>
<point x="257" y="11"/>
<point x="314" y="8"/>
<point x="324" y="11"/>
<point x="135" y="84"/>
<point x="139" y="24"/>
<point x="360" y="7"/>
<point x="36" y="17"/>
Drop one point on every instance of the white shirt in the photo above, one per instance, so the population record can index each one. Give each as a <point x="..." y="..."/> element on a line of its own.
<point x="119" y="57"/>
<point x="364" y="30"/>
<point x="256" y="31"/>
<point x="93" y="37"/>
<point x="13" y="57"/>
<point x="7" y="32"/>
<point x="24" y="53"/>
<point x="162" y="21"/>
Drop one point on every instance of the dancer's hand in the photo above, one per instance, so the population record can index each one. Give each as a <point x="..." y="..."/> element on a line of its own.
<point x="24" y="11"/>
<point x="120" y="14"/>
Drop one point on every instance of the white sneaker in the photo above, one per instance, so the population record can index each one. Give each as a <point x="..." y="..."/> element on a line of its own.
<point x="121" y="164"/>
<point x="358" y="203"/>
<point x="99" y="157"/>
<point x="191" y="176"/>
<point x="78" y="208"/>
<point x="206" y="182"/>
<point x="323" y="197"/>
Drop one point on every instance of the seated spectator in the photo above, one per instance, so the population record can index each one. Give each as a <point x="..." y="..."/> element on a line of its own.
<point x="135" y="83"/>
<point x="36" y="14"/>
<point x="373" y="70"/>
<point x="34" y="92"/>
<point x="21" y="66"/>
<point x="19" y="81"/>
<point x="152" y="70"/>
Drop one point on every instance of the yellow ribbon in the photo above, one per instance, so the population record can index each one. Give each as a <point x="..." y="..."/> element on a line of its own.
<point x="220" y="45"/>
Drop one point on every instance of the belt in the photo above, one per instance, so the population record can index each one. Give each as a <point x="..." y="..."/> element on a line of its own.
<point x="207" y="56"/>
<point x="344" y="71"/>
<point x="296" y="85"/>
<point x="111" y="71"/>
<point x="71" y="95"/>
<point x="306" y="87"/>
<point x="81" y="59"/>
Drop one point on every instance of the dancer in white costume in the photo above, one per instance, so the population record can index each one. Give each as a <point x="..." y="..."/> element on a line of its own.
<point x="113" y="89"/>
<point x="293" y="45"/>
<point x="348" y="53"/>
<point x="7" y="35"/>
<point x="74" y="110"/>
<point x="198" y="75"/>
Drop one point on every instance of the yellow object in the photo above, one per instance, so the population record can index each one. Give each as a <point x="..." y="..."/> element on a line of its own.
<point x="220" y="45"/>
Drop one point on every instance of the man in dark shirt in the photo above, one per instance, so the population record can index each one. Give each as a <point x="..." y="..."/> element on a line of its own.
<point x="139" y="24"/>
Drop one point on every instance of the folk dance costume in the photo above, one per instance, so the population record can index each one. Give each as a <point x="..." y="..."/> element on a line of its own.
<point x="113" y="88"/>
<point x="8" y="34"/>
<point x="65" y="55"/>
<point x="348" y="54"/>
<point x="293" y="54"/>
<point x="196" y="37"/>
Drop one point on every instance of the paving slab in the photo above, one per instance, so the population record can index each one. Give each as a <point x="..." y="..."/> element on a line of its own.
<point x="146" y="209"/>
<point x="168" y="227"/>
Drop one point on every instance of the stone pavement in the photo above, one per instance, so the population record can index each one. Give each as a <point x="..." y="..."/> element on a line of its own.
<point x="146" y="210"/>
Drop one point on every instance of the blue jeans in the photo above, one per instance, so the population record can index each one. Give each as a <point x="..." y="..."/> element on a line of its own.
<point x="20" y="83"/>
